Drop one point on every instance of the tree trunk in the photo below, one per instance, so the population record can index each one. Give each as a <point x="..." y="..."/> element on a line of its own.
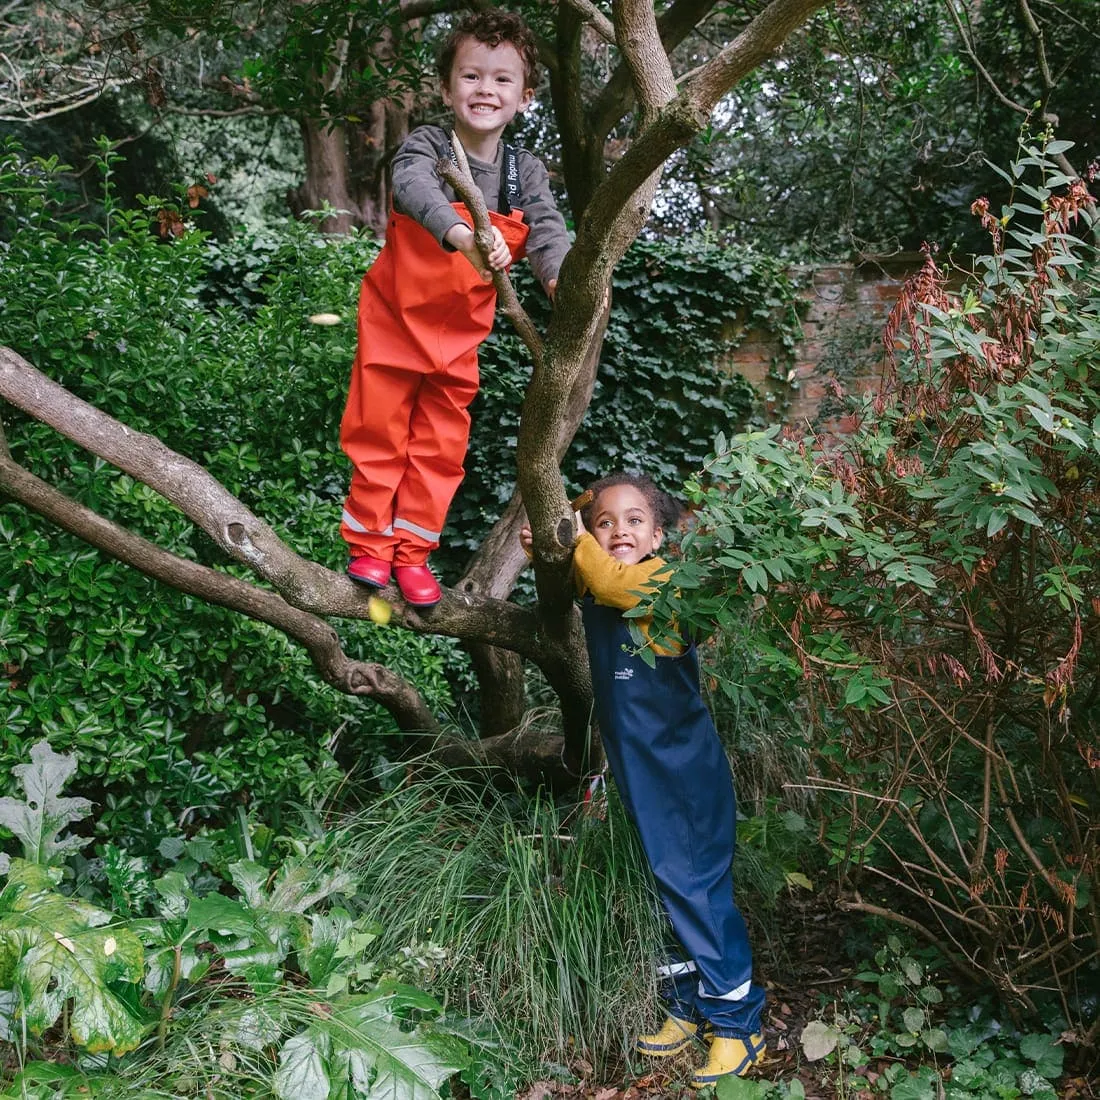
<point x="347" y="162"/>
<point x="327" y="178"/>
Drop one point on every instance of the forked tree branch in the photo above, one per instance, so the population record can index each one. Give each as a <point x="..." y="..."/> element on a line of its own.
<point x="241" y="534"/>
<point x="353" y="677"/>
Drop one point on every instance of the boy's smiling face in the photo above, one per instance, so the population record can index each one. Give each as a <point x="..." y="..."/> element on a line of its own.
<point x="486" y="91"/>
<point x="623" y="524"/>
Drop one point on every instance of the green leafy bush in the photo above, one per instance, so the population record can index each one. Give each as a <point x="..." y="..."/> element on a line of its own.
<point x="930" y="585"/>
<point x="176" y="709"/>
<point x="246" y="967"/>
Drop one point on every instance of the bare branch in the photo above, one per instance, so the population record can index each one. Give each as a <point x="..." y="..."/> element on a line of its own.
<point x="1036" y="33"/>
<point x="689" y="113"/>
<point x="210" y="112"/>
<point x="968" y="46"/>
<point x="73" y="101"/>
<point x="462" y="182"/>
<point x="319" y="639"/>
<point x="595" y="19"/>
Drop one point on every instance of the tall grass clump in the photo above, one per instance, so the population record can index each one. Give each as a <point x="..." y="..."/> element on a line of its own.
<point x="537" y="920"/>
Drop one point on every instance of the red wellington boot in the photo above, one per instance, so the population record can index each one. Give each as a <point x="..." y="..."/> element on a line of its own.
<point x="417" y="585"/>
<point x="370" y="571"/>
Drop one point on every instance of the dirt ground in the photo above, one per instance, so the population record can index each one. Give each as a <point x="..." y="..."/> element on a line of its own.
<point x="804" y="974"/>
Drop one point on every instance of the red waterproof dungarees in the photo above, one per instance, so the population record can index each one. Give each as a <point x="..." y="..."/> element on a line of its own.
<point x="423" y="312"/>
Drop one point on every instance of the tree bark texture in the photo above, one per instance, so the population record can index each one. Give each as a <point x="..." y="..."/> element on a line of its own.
<point x="613" y="205"/>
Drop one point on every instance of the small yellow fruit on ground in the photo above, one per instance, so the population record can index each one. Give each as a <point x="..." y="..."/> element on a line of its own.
<point x="379" y="610"/>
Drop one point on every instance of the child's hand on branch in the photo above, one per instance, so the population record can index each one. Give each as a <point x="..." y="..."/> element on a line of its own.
<point x="500" y="255"/>
<point x="461" y="238"/>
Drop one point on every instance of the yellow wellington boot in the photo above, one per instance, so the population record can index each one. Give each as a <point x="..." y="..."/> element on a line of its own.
<point x="675" y="1035"/>
<point x="729" y="1057"/>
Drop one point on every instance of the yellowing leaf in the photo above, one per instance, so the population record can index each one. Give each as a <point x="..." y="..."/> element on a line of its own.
<point x="54" y="952"/>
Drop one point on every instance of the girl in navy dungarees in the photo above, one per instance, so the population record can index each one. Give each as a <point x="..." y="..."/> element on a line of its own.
<point x="674" y="780"/>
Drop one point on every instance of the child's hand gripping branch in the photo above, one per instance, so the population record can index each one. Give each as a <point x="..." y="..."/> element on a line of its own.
<point x="462" y="239"/>
<point x="527" y="540"/>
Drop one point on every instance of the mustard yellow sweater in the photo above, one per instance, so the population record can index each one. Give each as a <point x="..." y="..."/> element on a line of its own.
<point x="613" y="583"/>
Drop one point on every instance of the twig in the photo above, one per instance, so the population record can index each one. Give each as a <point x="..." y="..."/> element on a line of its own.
<point x="595" y="19"/>
<point x="861" y="906"/>
<point x="462" y="183"/>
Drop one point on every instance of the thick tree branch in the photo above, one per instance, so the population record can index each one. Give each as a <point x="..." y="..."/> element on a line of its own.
<point x="617" y="97"/>
<point x="541" y="483"/>
<point x="687" y="115"/>
<point x="241" y="534"/>
<point x="319" y="639"/>
<point x="650" y="69"/>
<point x="582" y="151"/>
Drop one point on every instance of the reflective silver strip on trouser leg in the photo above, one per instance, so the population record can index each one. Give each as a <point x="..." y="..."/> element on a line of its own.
<point x="673" y="970"/>
<point x="355" y="525"/>
<point x="415" y="529"/>
<point x="738" y="994"/>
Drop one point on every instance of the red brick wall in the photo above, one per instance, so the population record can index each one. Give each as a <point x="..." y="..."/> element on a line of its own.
<point x="846" y="306"/>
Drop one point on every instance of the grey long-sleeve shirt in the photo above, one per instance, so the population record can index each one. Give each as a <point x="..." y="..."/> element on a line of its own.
<point x="421" y="194"/>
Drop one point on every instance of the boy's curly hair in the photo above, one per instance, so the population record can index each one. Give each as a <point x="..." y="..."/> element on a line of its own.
<point x="667" y="510"/>
<point x="493" y="26"/>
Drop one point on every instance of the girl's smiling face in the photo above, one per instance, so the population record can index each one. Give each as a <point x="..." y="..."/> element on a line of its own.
<point x="623" y="524"/>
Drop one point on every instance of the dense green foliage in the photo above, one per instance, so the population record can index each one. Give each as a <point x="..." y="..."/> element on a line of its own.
<point x="177" y="708"/>
<point x="875" y="130"/>
<point x="930" y="585"/>
<point x="230" y="954"/>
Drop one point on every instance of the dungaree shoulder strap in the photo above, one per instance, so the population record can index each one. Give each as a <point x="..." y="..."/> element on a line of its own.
<point x="509" y="177"/>
<point x="509" y="180"/>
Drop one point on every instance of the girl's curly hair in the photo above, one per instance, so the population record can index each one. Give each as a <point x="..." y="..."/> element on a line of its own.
<point x="667" y="510"/>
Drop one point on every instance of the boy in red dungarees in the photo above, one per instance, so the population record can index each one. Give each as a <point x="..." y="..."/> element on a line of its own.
<point x="427" y="303"/>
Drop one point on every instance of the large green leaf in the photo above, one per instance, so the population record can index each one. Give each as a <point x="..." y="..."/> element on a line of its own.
<point x="39" y="819"/>
<point x="359" y="1044"/>
<point x="301" y="1074"/>
<point x="60" y="950"/>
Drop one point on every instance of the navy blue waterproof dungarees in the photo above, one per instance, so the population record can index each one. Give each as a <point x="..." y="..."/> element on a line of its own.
<point x="674" y="779"/>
